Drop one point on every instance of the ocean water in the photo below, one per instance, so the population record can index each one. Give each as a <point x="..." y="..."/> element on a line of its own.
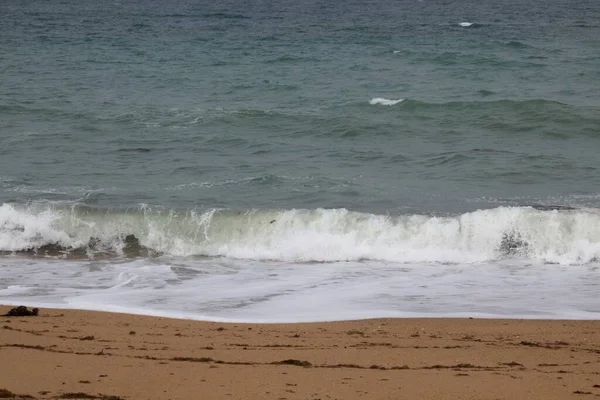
<point x="301" y="161"/>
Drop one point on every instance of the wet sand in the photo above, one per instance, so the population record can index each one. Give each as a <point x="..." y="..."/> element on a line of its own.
<point x="64" y="352"/>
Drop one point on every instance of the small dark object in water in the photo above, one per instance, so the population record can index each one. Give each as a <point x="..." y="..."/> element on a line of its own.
<point x="512" y="244"/>
<point x="132" y="247"/>
<point x="22" y="311"/>
<point x="131" y="240"/>
<point x="137" y="149"/>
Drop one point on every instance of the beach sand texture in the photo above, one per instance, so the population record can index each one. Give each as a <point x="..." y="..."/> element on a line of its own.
<point x="64" y="352"/>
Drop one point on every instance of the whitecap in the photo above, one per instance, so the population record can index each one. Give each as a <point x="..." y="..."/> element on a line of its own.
<point x="384" y="102"/>
<point x="465" y="24"/>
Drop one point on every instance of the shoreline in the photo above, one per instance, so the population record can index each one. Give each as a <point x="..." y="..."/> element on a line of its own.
<point x="169" y="314"/>
<point x="65" y="351"/>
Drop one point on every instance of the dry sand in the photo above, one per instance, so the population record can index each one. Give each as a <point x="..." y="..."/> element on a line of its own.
<point x="62" y="352"/>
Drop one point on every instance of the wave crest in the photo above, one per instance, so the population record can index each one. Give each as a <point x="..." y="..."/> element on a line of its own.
<point x="320" y="235"/>
<point x="384" y="102"/>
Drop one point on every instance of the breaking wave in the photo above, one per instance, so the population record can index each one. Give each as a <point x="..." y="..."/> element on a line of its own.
<point x="562" y="235"/>
<point x="384" y="102"/>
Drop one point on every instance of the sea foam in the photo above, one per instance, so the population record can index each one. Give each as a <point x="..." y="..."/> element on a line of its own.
<point x="319" y="235"/>
<point x="384" y="102"/>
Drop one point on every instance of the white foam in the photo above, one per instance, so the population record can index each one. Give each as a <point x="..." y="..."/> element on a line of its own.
<point x="466" y="24"/>
<point x="22" y="229"/>
<point x="242" y="291"/>
<point x="384" y="102"/>
<point x="322" y="235"/>
<point x="341" y="235"/>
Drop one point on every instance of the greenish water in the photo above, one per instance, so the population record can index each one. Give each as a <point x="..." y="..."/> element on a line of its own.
<point x="402" y="132"/>
<point x="240" y="105"/>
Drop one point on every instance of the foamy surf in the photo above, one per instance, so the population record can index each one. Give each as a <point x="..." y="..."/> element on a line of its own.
<point x="298" y="235"/>
<point x="384" y="102"/>
<point x="248" y="291"/>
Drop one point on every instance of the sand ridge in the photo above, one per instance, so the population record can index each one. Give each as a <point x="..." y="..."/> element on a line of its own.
<point x="70" y="353"/>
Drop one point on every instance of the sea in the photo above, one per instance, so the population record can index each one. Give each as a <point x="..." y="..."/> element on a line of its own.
<point x="297" y="161"/>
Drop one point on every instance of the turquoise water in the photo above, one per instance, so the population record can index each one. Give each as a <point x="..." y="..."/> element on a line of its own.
<point x="400" y="137"/>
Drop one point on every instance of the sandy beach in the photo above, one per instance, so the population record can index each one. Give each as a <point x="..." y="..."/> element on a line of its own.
<point x="83" y="354"/>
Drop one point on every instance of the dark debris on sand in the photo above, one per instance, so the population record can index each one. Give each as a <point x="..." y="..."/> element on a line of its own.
<point x="297" y="363"/>
<point x="22" y="311"/>
<point x="7" y="394"/>
<point x="81" y="395"/>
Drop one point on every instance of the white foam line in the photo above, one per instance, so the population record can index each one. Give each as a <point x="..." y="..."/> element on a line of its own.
<point x="355" y="315"/>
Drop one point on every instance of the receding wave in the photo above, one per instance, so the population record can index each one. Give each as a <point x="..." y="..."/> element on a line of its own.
<point x="548" y="234"/>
